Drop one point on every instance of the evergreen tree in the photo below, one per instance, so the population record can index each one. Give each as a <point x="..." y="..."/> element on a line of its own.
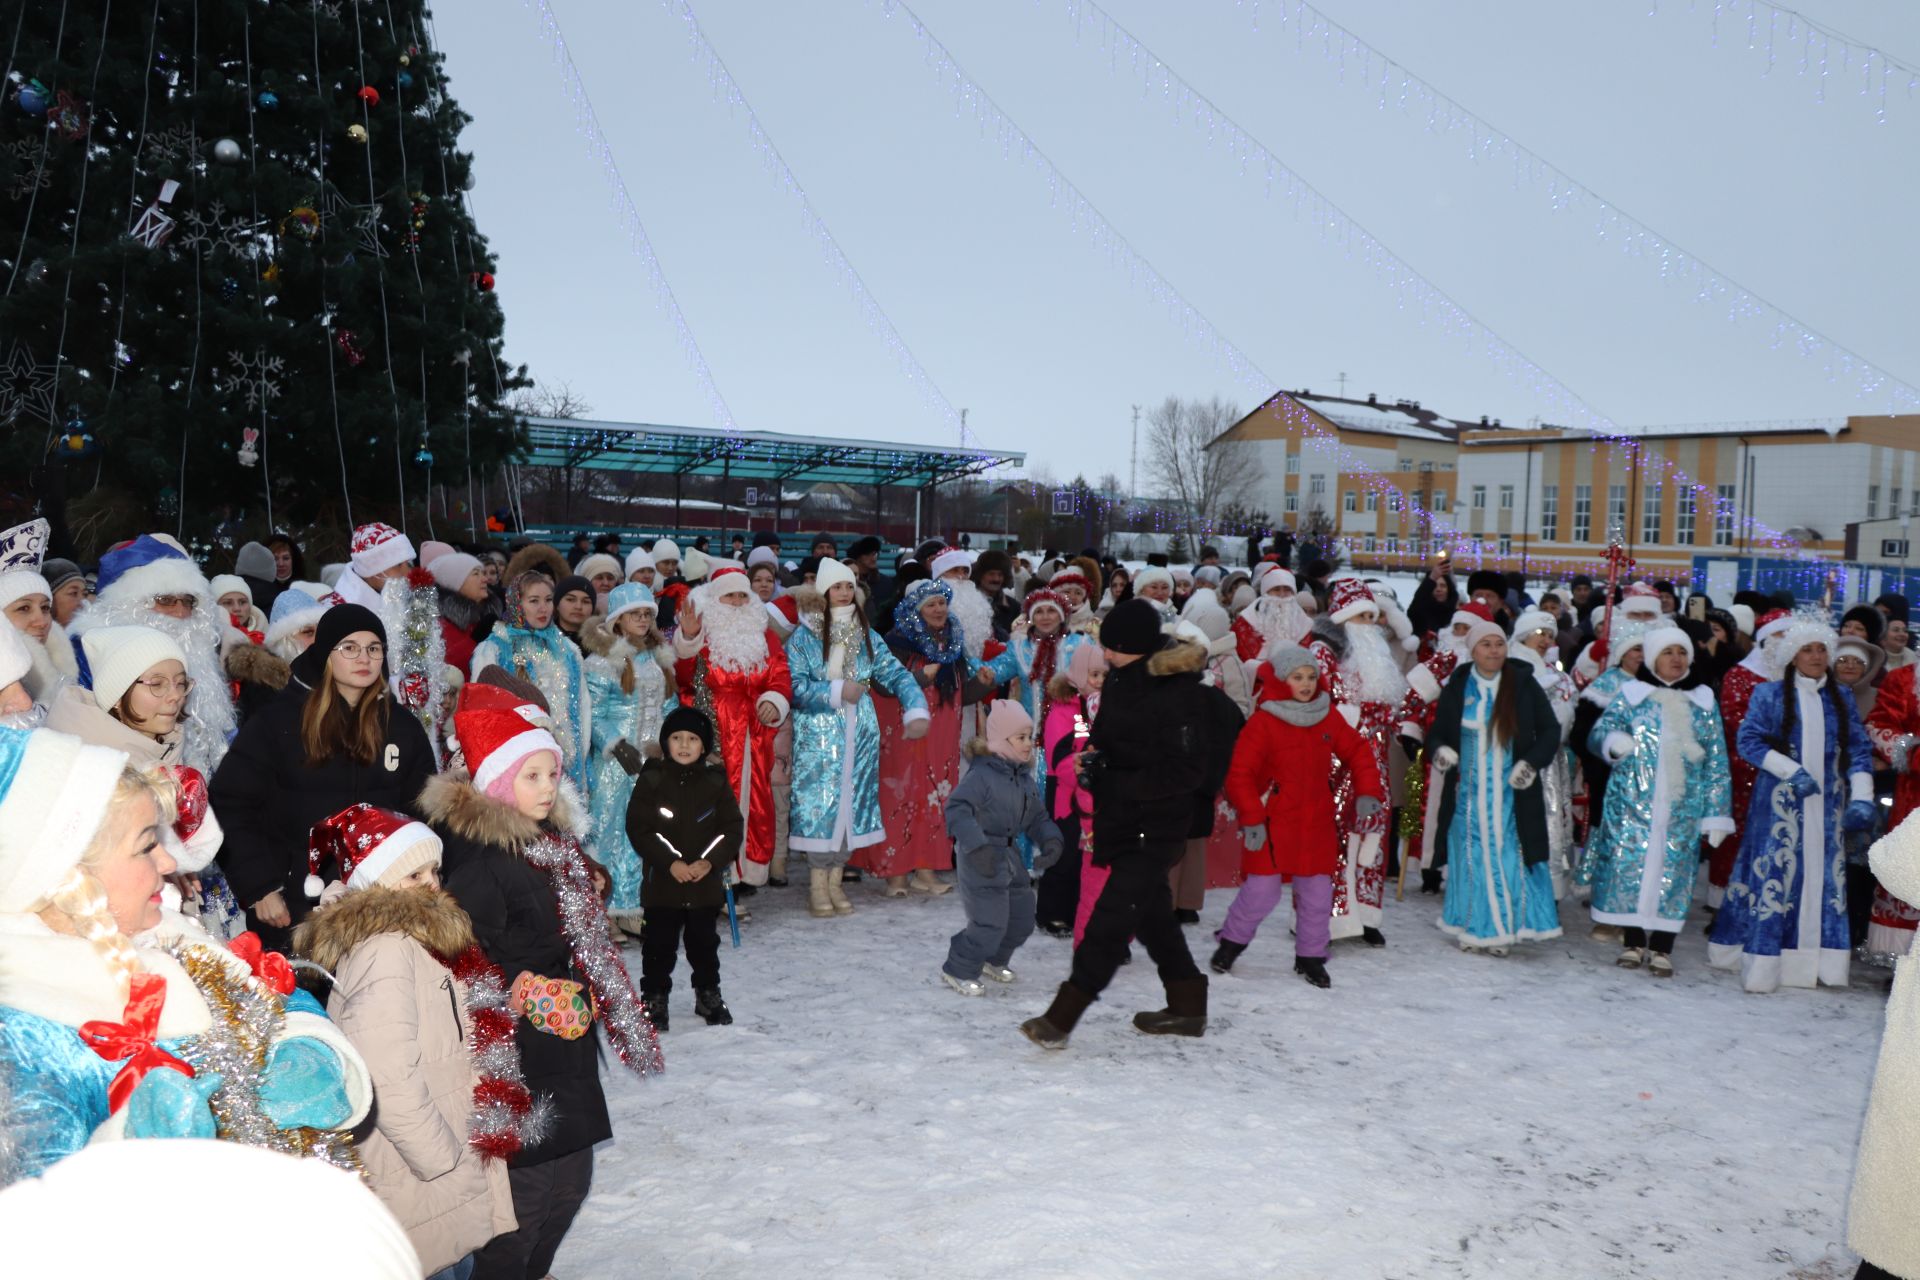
<point x="237" y="263"/>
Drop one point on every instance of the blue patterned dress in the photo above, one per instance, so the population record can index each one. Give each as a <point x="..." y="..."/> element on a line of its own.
<point x="1785" y="918"/>
<point x="633" y="717"/>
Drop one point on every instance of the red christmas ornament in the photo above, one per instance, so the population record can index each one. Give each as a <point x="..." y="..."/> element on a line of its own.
<point x="370" y="95"/>
<point x="349" y="344"/>
<point x="483" y="280"/>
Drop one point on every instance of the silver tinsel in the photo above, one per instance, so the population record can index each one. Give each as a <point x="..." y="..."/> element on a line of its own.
<point x="417" y="658"/>
<point x="583" y="915"/>
<point x="500" y="1060"/>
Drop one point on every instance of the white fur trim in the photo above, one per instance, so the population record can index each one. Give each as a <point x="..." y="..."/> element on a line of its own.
<point x="512" y="752"/>
<point x="388" y="553"/>
<point x="921" y="713"/>
<point x="779" y="701"/>
<point x="1781" y="767"/>
<point x="1422" y="681"/>
<point x="16" y="583"/>
<point x="1860" y="787"/>
<point x="381" y="860"/>
<point x="1618" y="746"/>
<point x="56" y="801"/>
<point x="171" y="576"/>
<point x="949" y="560"/>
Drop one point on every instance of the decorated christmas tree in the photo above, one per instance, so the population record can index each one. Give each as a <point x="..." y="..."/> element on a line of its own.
<point x="238" y="267"/>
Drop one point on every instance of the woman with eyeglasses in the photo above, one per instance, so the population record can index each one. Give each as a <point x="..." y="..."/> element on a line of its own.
<point x="334" y="737"/>
<point x="138" y="700"/>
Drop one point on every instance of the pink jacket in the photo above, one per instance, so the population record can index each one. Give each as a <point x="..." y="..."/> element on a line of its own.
<point x="1069" y="725"/>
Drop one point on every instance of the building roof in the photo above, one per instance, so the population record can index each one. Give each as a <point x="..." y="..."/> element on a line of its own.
<point x="649" y="448"/>
<point x="1408" y="419"/>
<point x="1832" y="428"/>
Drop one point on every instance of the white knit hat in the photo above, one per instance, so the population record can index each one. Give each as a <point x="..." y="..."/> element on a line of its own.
<point x="117" y="656"/>
<point x="1742" y="617"/>
<point x="451" y="569"/>
<point x="830" y="574"/>
<point x="763" y="555"/>
<point x="379" y="547"/>
<point x="663" y="550"/>
<point x="598" y="562"/>
<point x="226" y="583"/>
<point x="637" y="559"/>
<point x="54" y="792"/>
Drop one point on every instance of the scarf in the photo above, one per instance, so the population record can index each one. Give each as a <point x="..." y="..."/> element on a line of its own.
<point x="1305" y="715"/>
<point x="583" y="918"/>
<point x="506" y="1117"/>
<point x="945" y="649"/>
<point x="841" y="635"/>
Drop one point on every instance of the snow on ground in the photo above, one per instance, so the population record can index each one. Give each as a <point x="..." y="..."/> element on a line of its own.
<point x="1434" y="1114"/>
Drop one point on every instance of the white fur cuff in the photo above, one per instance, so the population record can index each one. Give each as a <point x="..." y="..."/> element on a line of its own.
<point x="1862" y="787"/>
<point x="1618" y="746"/>
<point x="1781" y="767"/>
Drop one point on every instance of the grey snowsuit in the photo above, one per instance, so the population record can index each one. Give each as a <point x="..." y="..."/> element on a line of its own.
<point x="994" y="804"/>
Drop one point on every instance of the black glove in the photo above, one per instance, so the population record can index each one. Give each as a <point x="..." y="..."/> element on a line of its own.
<point x="629" y="757"/>
<point x="1409" y="746"/>
<point x="1045" y="858"/>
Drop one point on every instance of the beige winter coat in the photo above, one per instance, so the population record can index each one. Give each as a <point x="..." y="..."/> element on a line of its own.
<point x="74" y="711"/>
<point x="1882" y="1226"/>
<point x="406" y="1014"/>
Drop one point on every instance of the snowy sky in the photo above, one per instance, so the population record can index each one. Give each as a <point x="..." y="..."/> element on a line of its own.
<point x="1022" y="319"/>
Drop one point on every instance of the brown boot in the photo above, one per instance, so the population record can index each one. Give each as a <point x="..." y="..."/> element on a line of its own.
<point x="1185" y="1014"/>
<point x="841" y="907"/>
<point x="819" y="901"/>
<point x="1051" y="1029"/>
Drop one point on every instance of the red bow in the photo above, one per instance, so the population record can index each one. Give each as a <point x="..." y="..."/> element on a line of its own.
<point x="133" y="1039"/>
<point x="270" y="967"/>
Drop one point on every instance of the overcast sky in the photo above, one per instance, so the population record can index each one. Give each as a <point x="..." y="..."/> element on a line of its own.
<point x="1021" y="318"/>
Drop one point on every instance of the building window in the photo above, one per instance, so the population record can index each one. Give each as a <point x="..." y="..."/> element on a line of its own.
<point x="1506" y="497"/>
<point x="1349" y="501"/>
<point x="1650" y="514"/>
<point x="1723" y="517"/>
<point x="1293" y="464"/>
<point x="1373" y="500"/>
<point x="1893" y="503"/>
<point x="1393" y="546"/>
<point x="1293" y="503"/>
<point x="1479" y="497"/>
<point x="1316" y="484"/>
<point x="1683" y="517"/>
<point x="1440" y="501"/>
<point x="1616" y="509"/>
<point x="1370" y="544"/>
<point x="1873" y="502"/>
<point x="1550" y="512"/>
<point x="1506" y="544"/>
<point x="1583" y="513"/>
<point x="1394" y="500"/>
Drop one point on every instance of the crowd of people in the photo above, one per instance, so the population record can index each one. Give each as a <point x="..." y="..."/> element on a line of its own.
<point x="353" y="865"/>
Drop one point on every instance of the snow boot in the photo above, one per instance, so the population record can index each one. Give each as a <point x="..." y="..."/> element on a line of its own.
<point x="896" y="887"/>
<point x="777" y="871"/>
<point x="819" y="901"/>
<point x="924" y="881"/>
<point x="1430" y="880"/>
<point x="1185" y="1014"/>
<point x="1373" y="937"/>
<point x="841" y="907"/>
<point x="708" y="1004"/>
<point x="1057" y="928"/>
<point x="655" y="1007"/>
<point x="1051" y="1029"/>
<point x="1313" y="969"/>
<point x="1224" y="955"/>
<point x="1631" y="958"/>
<point x="1662" y="966"/>
<point x="998" y="972"/>
<point x="1183" y="916"/>
<point x="965" y="986"/>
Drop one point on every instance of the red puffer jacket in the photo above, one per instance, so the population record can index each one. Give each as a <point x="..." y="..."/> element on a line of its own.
<point x="1282" y="776"/>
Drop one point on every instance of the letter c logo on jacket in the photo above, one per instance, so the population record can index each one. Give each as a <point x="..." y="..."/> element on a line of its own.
<point x="392" y="759"/>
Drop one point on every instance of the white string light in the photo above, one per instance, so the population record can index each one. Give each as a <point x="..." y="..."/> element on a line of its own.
<point x="1837" y="51"/>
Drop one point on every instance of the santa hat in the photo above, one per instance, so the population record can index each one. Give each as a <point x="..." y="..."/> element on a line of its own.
<point x="1772" y="623"/>
<point x="831" y="574"/>
<point x="224" y="584"/>
<point x="195" y="835"/>
<point x="1151" y="574"/>
<point x="1006" y="718"/>
<point x="627" y="597"/>
<point x="369" y="846"/>
<point x="1641" y="601"/>
<point x="379" y="547"/>
<point x="1531" y="621"/>
<point x="1659" y="638"/>
<point x="637" y="559"/>
<point x="15" y="658"/>
<point x="1351" y="599"/>
<point x="1046" y="598"/>
<point x="597" y="563"/>
<point x="949" y="560"/>
<point x="146" y="567"/>
<point x="1274" y="576"/>
<point x="451" y="570"/>
<point x="54" y="794"/>
<point x="294" y="609"/>
<point x="431" y="551"/>
<point x="118" y="656"/>
<point x="21" y="550"/>
<point x="662" y="550"/>
<point x="1468" y="614"/>
<point x="493" y="743"/>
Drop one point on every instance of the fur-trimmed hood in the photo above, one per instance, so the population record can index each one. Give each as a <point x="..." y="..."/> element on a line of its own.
<point x="450" y="800"/>
<point x="1182" y="657"/>
<point x="431" y="918"/>
<point x="1330" y="633"/>
<point x="536" y="555"/>
<point x="256" y="664"/>
<point x="606" y="651"/>
<point x="1060" y="689"/>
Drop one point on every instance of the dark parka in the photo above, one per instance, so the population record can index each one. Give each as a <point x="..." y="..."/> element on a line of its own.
<point x="692" y="806"/>
<point x="1159" y="745"/>
<point x="516" y="921"/>
<point x="1536" y="739"/>
<point x="269" y="798"/>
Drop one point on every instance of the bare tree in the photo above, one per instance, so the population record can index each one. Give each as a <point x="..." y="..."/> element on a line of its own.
<point x="556" y="490"/>
<point x="1191" y="465"/>
<point x="549" y="400"/>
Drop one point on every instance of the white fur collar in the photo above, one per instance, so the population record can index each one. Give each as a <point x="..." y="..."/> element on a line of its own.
<point x="1637" y="691"/>
<point x="63" y="979"/>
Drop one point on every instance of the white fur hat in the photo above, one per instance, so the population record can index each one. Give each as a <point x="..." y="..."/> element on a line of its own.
<point x="664" y="550"/>
<point x="1658" y="639"/>
<point x="227" y="583"/>
<point x="379" y="547"/>
<point x="637" y="559"/>
<point x="598" y="562"/>
<point x="949" y="560"/>
<point x="1742" y="617"/>
<point x="1806" y="629"/>
<point x="54" y="792"/>
<point x="1274" y="576"/>
<point x="1152" y="573"/>
<point x="1530" y="621"/>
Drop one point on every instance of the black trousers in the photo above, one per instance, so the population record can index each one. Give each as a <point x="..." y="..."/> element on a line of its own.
<point x="660" y="947"/>
<point x="1058" y="890"/>
<point x="1661" y="940"/>
<point x="546" y="1196"/>
<point x="1136" y="902"/>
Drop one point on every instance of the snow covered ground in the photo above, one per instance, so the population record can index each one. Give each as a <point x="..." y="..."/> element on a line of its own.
<point x="1434" y="1114"/>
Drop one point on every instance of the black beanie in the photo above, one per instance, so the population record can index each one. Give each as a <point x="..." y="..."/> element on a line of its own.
<point x="685" y="719"/>
<point x="1132" y="627"/>
<point x="335" y="625"/>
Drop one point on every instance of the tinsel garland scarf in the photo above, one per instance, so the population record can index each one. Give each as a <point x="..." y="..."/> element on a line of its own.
<point x="583" y="915"/>
<point x="506" y="1117"/>
<point x="247" y="1017"/>
<point x="418" y="657"/>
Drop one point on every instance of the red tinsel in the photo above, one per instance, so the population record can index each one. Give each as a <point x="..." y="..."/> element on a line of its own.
<point x="499" y="1086"/>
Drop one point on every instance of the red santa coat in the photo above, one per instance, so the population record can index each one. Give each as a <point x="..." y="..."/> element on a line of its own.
<point x="1736" y="691"/>
<point x="732" y="699"/>
<point x="1279" y="777"/>
<point x="1895" y="715"/>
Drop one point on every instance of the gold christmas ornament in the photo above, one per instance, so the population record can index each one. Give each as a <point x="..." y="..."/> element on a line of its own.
<point x="358" y="132"/>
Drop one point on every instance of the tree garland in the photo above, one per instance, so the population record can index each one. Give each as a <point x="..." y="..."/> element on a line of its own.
<point x="412" y="618"/>
<point x="506" y="1117"/>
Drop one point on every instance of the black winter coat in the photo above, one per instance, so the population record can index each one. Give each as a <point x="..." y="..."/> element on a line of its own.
<point x="516" y="921"/>
<point x="268" y="799"/>
<point x="1155" y="742"/>
<point x="695" y="810"/>
<point x="1536" y="739"/>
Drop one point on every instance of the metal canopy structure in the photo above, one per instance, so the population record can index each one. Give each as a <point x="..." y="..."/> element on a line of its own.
<point x="647" y="448"/>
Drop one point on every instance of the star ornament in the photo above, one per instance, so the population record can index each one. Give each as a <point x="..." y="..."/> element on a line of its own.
<point x="26" y="386"/>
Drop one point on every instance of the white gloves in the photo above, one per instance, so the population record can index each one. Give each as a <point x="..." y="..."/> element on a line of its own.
<point x="1254" y="837"/>
<point x="1617" y="746"/>
<point x="1522" y="776"/>
<point x="1445" y="758"/>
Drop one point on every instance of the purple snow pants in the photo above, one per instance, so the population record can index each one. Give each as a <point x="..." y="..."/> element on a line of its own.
<point x="1312" y="909"/>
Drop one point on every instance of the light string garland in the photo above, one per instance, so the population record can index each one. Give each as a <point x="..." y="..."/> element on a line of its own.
<point x="1836" y="56"/>
<point x="1394" y="86"/>
<point x="586" y="122"/>
<point x="1250" y="153"/>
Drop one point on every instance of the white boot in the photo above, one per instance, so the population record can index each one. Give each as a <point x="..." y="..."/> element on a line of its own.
<point x="838" y="899"/>
<point x="896" y="886"/>
<point x="924" y="881"/>
<point x="819" y="899"/>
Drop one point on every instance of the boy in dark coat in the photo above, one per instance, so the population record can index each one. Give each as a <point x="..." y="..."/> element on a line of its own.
<point x="686" y="826"/>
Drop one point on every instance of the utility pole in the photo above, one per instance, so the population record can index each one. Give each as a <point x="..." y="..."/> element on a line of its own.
<point x="1133" y="464"/>
<point x="1343" y="384"/>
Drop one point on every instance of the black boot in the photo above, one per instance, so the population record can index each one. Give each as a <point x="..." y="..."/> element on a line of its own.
<point x="1051" y="1029"/>
<point x="1185" y="1014"/>
<point x="1430" y="880"/>
<point x="1186" y="917"/>
<point x="1057" y="928"/>
<point x="1373" y="937"/>
<point x="655" y="1007"/>
<point x="708" y="1004"/>
<point x="1313" y="969"/>
<point x="1224" y="955"/>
